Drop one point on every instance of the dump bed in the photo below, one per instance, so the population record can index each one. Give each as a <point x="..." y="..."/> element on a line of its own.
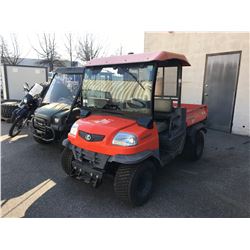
<point x="195" y="113"/>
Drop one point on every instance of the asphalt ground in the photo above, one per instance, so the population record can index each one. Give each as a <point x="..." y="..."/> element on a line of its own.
<point x="33" y="183"/>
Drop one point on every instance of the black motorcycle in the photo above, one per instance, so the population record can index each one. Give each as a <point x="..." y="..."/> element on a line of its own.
<point x="22" y="115"/>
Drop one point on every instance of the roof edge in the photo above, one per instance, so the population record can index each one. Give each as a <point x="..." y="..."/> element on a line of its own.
<point x="139" y="58"/>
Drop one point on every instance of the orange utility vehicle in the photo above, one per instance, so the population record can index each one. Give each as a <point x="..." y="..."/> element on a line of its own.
<point x="132" y="122"/>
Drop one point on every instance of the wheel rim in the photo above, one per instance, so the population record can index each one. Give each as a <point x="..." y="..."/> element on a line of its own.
<point x="144" y="185"/>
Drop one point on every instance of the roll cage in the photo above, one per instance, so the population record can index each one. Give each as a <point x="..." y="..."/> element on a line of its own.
<point x="160" y="60"/>
<point x="72" y="71"/>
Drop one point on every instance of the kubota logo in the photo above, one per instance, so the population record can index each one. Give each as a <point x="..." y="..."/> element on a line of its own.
<point x="88" y="137"/>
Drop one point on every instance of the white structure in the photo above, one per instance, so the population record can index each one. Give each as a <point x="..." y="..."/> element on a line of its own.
<point x="15" y="76"/>
<point x="218" y="76"/>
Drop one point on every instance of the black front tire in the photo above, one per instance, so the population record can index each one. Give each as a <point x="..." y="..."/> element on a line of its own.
<point x="66" y="161"/>
<point x="193" y="149"/>
<point x="134" y="183"/>
<point x="16" y="127"/>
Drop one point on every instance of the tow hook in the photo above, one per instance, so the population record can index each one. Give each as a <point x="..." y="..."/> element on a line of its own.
<point x="87" y="174"/>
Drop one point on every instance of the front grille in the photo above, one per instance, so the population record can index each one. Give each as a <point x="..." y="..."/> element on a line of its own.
<point x="91" y="137"/>
<point x="40" y="123"/>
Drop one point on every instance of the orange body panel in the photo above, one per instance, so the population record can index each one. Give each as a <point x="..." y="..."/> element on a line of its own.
<point x="109" y="126"/>
<point x="195" y="113"/>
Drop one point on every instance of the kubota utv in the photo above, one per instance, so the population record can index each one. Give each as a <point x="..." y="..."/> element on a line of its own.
<point x="132" y="122"/>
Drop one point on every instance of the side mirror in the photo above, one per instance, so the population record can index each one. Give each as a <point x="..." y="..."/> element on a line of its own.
<point x="84" y="113"/>
<point x="146" y="122"/>
<point x="26" y="85"/>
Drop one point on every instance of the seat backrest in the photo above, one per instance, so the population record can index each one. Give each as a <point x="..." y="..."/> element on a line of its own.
<point x="121" y="90"/>
<point x="163" y="105"/>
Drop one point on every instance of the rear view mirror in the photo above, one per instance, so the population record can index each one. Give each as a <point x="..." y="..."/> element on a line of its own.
<point x="26" y="90"/>
<point x="26" y="85"/>
<point x="146" y="122"/>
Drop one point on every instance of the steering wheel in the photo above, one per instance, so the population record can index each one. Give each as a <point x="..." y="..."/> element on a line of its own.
<point x="111" y="106"/>
<point x="64" y="100"/>
<point x="136" y="103"/>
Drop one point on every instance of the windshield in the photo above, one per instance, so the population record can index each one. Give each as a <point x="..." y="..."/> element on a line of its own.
<point x="122" y="88"/>
<point x="63" y="88"/>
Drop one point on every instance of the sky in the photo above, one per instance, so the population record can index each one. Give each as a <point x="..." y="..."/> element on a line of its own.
<point x="115" y="23"/>
<point x="111" y="41"/>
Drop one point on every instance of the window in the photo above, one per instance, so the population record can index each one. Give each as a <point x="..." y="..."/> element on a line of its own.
<point x="166" y="82"/>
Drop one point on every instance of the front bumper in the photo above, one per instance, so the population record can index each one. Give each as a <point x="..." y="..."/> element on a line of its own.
<point x="100" y="160"/>
<point x="90" y="166"/>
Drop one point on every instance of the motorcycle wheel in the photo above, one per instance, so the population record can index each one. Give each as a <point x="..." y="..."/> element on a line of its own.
<point x="17" y="126"/>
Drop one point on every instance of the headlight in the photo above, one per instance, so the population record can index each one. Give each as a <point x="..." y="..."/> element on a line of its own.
<point x="74" y="129"/>
<point x="56" y="120"/>
<point x="125" y="139"/>
<point x="25" y="100"/>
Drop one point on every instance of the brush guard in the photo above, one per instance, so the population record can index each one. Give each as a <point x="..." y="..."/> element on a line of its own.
<point x="41" y="131"/>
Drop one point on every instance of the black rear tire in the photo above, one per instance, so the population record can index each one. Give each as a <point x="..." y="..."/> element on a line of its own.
<point x="134" y="183"/>
<point x="16" y="127"/>
<point x="66" y="161"/>
<point x="193" y="149"/>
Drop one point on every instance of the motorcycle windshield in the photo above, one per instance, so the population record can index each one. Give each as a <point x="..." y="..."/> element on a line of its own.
<point x="36" y="90"/>
<point x="63" y="89"/>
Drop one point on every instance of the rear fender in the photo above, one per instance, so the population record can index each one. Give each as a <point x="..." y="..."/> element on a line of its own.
<point x="191" y="131"/>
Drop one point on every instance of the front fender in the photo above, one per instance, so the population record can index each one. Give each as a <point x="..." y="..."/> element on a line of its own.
<point x="66" y="143"/>
<point x="135" y="158"/>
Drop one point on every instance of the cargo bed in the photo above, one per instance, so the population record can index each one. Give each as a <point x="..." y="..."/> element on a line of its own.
<point x="195" y="113"/>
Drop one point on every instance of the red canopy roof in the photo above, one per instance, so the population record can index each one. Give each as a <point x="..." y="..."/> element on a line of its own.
<point x="139" y="58"/>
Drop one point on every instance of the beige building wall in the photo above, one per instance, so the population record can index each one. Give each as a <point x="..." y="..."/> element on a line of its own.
<point x="195" y="45"/>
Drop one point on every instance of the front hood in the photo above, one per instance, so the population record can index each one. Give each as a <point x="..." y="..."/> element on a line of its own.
<point x="48" y="111"/>
<point x="104" y="125"/>
<point x="103" y="128"/>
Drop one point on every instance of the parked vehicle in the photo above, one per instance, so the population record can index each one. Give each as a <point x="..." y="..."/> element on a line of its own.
<point x="22" y="115"/>
<point x="134" y="124"/>
<point x="60" y="107"/>
<point x="13" y="77"/>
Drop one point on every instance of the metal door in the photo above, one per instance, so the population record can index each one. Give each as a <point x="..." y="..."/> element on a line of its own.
<point x="219" y="91"/>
